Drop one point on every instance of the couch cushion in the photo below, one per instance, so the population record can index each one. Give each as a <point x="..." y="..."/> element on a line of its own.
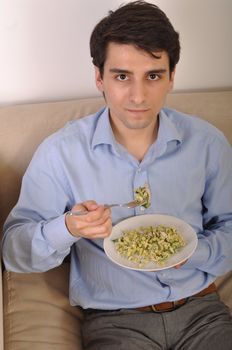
<point x="37" y="313"/>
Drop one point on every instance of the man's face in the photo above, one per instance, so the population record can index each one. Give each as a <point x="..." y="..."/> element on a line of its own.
<point x="135" y="85"/>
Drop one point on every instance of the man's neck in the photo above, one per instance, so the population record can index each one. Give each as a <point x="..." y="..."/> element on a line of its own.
<point x="136" y="141"/>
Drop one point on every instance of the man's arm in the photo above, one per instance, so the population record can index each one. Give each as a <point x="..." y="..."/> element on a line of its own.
<point x="37" y="234"/>
<point x="213" y="254"/>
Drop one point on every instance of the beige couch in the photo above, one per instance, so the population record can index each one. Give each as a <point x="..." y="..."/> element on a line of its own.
<point x="36" y="312"/>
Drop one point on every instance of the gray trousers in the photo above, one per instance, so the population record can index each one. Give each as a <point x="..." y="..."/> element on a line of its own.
<point x="203" y="323"/>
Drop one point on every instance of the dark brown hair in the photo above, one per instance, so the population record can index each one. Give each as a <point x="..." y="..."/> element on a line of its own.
<point x="138" y="23"/>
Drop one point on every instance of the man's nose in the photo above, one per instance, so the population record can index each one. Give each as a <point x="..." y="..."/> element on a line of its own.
<point x="137" y="93"/>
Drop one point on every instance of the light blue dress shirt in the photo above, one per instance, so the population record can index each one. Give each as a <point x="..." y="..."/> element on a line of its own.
<point x="189" y="172"/>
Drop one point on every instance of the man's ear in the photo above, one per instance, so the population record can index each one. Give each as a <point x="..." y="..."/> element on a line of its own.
<point x="98" y="79"/>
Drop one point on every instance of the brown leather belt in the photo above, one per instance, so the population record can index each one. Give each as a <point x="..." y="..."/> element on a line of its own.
<point x="172" y="305"/>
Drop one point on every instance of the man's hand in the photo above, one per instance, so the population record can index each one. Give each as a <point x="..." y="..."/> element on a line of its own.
<point x="95" y="224"/>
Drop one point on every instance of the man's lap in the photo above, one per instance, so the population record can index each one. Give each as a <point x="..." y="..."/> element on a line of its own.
<point x="202" y="323"/>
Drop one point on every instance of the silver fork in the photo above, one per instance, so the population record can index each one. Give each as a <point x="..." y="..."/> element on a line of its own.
<point x="129" y="205"/>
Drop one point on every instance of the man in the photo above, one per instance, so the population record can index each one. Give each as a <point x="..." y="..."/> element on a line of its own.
<point x="103" y="158"/>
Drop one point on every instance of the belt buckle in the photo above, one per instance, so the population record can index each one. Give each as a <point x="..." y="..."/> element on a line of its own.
<point x="153" y="307"/>
<point x="175" y="305"/>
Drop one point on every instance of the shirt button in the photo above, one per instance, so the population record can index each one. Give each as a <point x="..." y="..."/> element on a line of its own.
<point x="138" y="170"/>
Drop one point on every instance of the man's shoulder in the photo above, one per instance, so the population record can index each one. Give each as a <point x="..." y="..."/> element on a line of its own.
<point x="81" y="125"/>
<point x="192" y="124"/>
<point x="75" y="134"/>
<point x="77" y="129"/>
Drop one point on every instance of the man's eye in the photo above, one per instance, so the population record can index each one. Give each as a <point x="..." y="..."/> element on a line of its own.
<point x="153" y="76"/>
<point x="122" y="77"/>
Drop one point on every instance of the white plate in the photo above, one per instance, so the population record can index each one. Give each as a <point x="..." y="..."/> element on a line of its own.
<point x="187" y="232"/>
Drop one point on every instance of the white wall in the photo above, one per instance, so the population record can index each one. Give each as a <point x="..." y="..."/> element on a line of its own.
<point x="44" y="46"/>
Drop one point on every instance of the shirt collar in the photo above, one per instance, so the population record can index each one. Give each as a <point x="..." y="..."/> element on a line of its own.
<point x="167" y="129"/>
<point x="103" y="133"/>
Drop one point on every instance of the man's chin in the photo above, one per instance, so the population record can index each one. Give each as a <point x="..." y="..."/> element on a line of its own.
<point x="137" y="125"/>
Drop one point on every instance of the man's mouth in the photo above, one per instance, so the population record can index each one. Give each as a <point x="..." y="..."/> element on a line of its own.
<point x="137" y="110"/>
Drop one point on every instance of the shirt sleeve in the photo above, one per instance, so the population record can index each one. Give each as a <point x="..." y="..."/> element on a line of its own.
<point x="213" y="253"/>
<point x="36" y="238"/>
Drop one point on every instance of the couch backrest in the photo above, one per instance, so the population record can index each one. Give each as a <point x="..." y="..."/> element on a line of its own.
<point x="23" y="127"/>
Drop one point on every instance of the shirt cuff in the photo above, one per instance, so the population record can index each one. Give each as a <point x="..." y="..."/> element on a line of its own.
<point x="57" y="234"/>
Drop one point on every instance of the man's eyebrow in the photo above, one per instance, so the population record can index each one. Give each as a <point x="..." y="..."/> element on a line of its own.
<point x="158" y="70"/>
<point x="126" y="71"/>
<point x="119" y="70"/>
